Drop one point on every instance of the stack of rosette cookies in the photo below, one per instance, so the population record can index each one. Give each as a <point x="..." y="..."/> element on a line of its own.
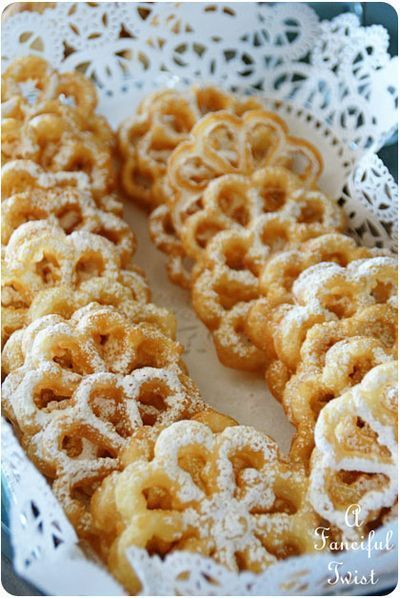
<point x="94" y="382"/>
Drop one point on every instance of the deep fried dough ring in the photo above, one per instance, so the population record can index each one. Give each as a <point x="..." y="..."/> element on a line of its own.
<point x="334" y="357"/>
<point x="355" y="460"/>
<point x="62" y="137"/>
<point x="95" y="339"/>
<point x="49" y="84"/>
<point x="25" y="69"/>
<point x="162" y="121"/>
<point x="21" y="176"/>
<point x="72" y="210"/>
<point x="281" y="271"/>
<point x="223" y="143"/>
<point x="326" y="292"/>
<point x="40" y="256"/>
<point x="190" y="476"/>
<point x="236" y="201"/>
<point x="75" y="427"/>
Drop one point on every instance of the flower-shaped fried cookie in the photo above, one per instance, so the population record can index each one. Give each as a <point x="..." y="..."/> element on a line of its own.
<point x="210" y="187"/>
<point x="95" y="339"/>
<point x="22" y="176"/>
<point x="48" y="84"/>
<point x="72" y="210"/>
<point x="163" y="120"/>
<point x="330" y="292"/>
<point x="228" y="495"/>
<point x="41" y="256"/>
<point x="239" y="201"/>
<point x="354" y="463"/>
<point x="279" y="274"/>
<point x="334" y="357"/>
<point x="74" y="427"/>
<point x="223" y="143"/>
<point x="232" y="274"/>
<point x="52" y="132"/>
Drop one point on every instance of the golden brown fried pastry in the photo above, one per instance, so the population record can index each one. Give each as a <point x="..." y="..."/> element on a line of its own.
<point x="354" y="463"/>
<point x="162" y="121"/>
<point x="225" y="493"/>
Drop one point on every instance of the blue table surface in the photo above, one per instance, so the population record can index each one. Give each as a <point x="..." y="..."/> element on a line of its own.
<point x="369" y="13"/>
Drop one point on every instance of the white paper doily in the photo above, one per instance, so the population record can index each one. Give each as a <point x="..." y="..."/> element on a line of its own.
<point x="336" y="81"/>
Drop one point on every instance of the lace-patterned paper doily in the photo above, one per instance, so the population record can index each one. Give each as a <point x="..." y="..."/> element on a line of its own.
<point x="333" y="82"/>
